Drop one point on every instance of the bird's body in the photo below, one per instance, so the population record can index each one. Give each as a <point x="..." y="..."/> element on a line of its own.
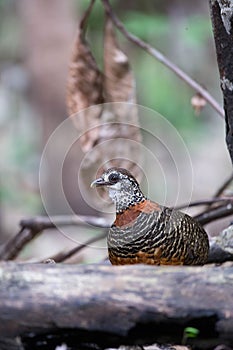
<point x="146" y="232"/>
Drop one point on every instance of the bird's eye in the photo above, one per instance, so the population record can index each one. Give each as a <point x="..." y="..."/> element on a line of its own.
<point x="113" y="178"/>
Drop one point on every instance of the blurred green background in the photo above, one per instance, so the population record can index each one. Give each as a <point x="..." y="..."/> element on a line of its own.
<point x="35" y="45"/>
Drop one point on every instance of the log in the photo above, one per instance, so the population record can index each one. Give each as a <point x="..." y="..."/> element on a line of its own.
<point x="221" y="246"/>
<point x="115" y="305"/>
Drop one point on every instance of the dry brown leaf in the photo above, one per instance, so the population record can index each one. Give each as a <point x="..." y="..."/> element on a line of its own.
<point x="84" y="88"/>
<point x="110" y="131"/>
<point x="119" y="138"/>
<point x="118" y="77"/>
<point x="119" y="86"/>
<point x="198" y="103"/>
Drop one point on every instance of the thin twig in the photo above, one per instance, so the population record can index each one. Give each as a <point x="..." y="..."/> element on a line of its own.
<point x="45" y="222"/>
<point x="224" y="186"/>
<point x="60" y="257"/>
<point x="219" y="192"/>
<point x="163" y="59"/>
<point x="204" y="202"/>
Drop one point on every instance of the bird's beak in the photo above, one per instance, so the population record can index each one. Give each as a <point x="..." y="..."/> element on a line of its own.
<point x="99" y="182"/>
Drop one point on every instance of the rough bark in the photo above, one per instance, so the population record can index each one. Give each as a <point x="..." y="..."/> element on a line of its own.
<point x="115" y="305"/>
<point x="221" y="16"/>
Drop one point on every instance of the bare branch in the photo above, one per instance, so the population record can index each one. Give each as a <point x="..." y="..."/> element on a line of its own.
<point x="61" y="257"/>
<point x="32" y="227"/>
<point x="13" y="247"/>
<point x="163" y="59"/>
<point x="204" y="202"/>
<point x="216" y="213"/>
<point x="44" y="222"/>
<point x="224" y="186"/>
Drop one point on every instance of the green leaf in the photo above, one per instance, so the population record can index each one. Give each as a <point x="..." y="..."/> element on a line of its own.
<point x="191" y="332"/>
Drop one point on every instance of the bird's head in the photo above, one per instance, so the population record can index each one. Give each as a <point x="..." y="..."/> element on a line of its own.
<point x="123" y="188"/>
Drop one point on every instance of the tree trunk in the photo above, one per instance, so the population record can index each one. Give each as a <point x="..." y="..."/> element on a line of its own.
<point x="221" y="16"/>
<point x="110" y="305"/>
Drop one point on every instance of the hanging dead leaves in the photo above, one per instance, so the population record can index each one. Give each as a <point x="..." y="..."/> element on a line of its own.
<point x="84" y="88"/>
<point x="103" y="105"/>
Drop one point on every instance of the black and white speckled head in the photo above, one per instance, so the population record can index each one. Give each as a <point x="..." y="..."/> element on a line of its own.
<point x="123" y="188"/>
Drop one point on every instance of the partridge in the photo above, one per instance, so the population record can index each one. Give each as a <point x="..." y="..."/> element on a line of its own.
<point x="147" y="232"/>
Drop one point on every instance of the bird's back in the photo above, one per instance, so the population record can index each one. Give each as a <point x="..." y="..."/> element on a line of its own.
<point x="152" y="234"/>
